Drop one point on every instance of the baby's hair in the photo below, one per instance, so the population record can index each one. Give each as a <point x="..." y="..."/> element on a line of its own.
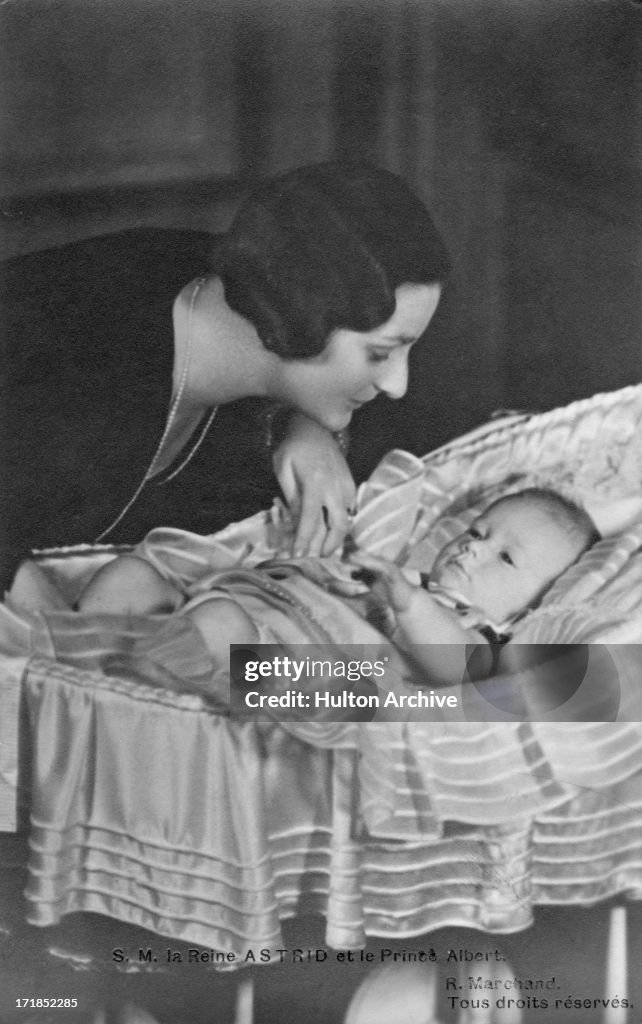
<point x="565" y="512"/>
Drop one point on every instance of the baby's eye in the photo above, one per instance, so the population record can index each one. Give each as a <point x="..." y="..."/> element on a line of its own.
<point x="505" y="557"/>
<point x="474" y="533"/>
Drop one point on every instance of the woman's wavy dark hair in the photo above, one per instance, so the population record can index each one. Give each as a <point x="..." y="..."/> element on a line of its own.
<point x="324" y="247"/>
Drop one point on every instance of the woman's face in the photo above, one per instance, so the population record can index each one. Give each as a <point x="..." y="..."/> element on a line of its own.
<point x="355" y="367"/>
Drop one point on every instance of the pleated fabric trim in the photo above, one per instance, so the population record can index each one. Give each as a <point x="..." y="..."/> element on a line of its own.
<point x="165" y="814"/>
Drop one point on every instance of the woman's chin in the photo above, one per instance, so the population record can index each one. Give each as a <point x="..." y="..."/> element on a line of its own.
<point x="335" y="421"/>
<point x="344" y="421"/>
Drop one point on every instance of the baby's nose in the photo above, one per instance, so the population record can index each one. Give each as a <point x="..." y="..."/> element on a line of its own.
<point x="471" y="546"/>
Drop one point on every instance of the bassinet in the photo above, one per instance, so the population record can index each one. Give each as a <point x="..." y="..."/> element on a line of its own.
<point x="149" y="807"/>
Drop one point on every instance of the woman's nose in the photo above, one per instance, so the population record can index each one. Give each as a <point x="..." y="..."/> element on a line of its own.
<point x="392" y="377"/>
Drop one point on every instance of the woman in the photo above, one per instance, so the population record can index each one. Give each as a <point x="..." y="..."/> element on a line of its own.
<point x="122" y="351"/>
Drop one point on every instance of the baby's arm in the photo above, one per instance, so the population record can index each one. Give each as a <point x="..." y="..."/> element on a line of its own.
<point x="432" y="635"/>
<point x="129" y="585"/>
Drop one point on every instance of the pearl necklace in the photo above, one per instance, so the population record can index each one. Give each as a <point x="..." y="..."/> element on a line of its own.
<point x="171" y="419"/>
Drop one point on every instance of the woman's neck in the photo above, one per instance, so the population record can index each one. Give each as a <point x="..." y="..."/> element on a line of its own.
<point x="227" y="360"/>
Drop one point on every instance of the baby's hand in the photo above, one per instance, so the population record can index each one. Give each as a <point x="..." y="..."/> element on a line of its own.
<point x="385" y="580"/>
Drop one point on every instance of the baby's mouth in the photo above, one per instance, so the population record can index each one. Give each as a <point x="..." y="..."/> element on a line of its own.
<point x="454" y="563"/>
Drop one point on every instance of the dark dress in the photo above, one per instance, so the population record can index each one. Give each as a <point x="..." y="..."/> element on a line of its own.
<point x="87" y="359"/>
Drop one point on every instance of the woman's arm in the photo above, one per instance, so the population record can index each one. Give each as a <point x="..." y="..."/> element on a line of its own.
<point x="317" y="485"/>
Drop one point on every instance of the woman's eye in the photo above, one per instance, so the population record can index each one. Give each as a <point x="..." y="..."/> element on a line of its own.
<point x="377" y="357"/>
<point x="505" y="557"/>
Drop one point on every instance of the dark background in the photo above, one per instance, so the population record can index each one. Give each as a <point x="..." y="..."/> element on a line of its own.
<point x="518" y="123"/>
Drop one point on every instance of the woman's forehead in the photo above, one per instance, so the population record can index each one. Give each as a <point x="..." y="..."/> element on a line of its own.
<point x="414" y="309"/>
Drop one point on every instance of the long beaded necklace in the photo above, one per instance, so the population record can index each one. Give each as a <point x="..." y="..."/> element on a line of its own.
<point x="171" y="419"/>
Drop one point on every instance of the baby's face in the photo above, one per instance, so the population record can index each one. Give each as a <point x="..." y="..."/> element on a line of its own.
<point x="507" y="558"/>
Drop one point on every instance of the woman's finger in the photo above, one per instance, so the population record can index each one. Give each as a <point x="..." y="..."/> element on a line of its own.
<point x="338" y="525"/>
<point x="289" y="485"/>
<point x="311" y="529"/>
<point x="315" y="545"/>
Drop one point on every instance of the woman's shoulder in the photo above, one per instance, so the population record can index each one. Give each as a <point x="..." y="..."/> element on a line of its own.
<point x="109" y="284"/>
<point x="122" y="250"/>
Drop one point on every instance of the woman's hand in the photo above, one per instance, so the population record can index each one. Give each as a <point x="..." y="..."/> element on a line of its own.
<point x="317" y="485"/>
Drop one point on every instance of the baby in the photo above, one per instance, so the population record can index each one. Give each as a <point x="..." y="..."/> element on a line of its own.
<point x="484" y="580"/>
<point x="479" y="585"/>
